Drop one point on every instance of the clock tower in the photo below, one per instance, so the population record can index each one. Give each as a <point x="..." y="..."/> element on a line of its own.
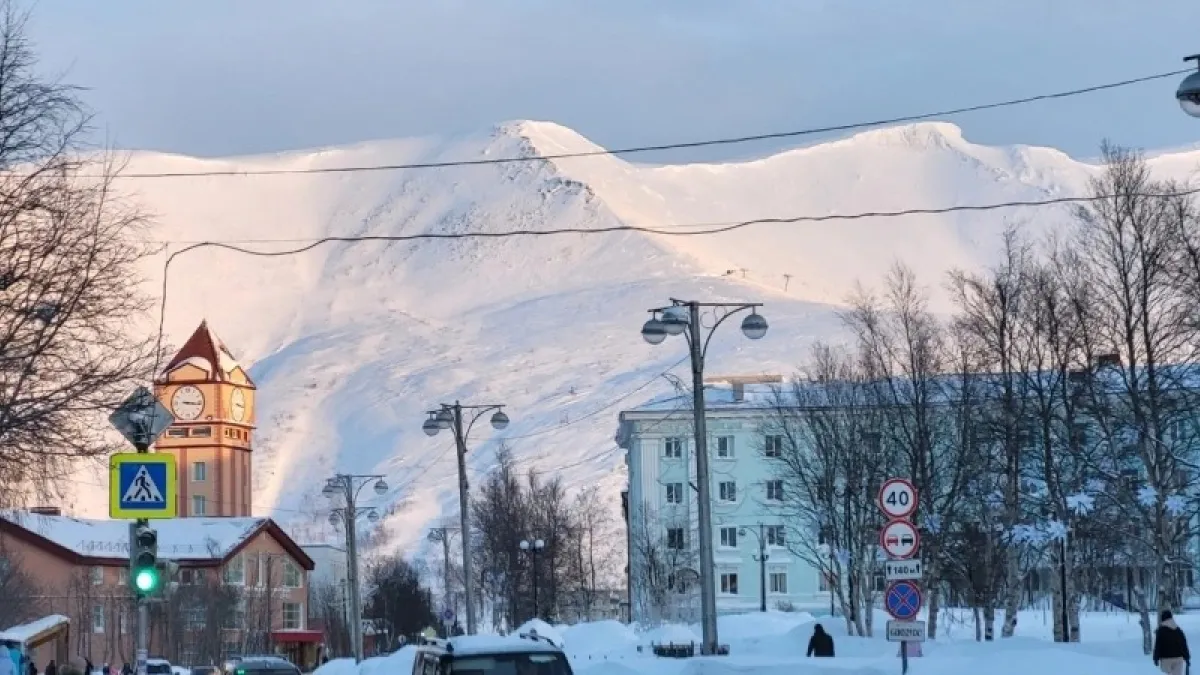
<point x="212" y="399"/>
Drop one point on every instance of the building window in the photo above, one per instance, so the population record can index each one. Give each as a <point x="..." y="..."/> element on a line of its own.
<point x="202" y="432"/>
<point x="727" y="491"/>
<point x="97" y="618"/>
<point x="825" y="579"/>
<point x="177" y="432"/>
<point x="778" y="583"/>
<point x="674" y="493"/>
<point x="199" y="505"/>
<point x="725" y="447"/>
<point x="235" y="571"/>
<point x="263" y="569"/>
<point x="187" y="577"/>
<point x="773" y="446"/>
<point x="122" y="576"/>
<point x="199" y="472"/>
<point x="675" y="540"/>
<point x="293" y="616"/>
<point x="291" y="575"/>
<point x="729" y="537"/>
<point x="193" y="619"/>
<point x="97" y="576"/>
<point x="673" y="448"/>
<point x="123" y="620"/>
<point x="775" y="490"/>
<point x="729" y="585"/>
<point x="775" y="536"/>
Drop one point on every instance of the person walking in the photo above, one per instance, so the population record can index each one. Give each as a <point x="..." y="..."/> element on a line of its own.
<point x="1171" y="653"/>
<point x="821" y="643"/>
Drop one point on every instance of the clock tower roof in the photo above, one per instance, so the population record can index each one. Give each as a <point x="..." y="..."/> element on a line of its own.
<point x="206" y="351"/>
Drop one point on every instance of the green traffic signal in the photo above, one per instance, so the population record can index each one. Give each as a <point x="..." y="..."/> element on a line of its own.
<point x="146" y="580"/>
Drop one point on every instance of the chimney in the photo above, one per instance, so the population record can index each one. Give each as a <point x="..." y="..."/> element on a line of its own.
<point x="739" y="391"/>
<point x="46" y="511"/>
<point x="738" y="383"/>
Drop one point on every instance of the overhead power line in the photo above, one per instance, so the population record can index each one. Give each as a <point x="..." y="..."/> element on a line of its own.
<point x="733" y="140"/>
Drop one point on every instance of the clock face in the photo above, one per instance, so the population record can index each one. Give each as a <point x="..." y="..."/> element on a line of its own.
<point x="187" y="403"/>
<point x="237" y="405"/>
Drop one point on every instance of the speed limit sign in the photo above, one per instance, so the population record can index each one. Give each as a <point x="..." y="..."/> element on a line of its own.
<point x="897" y="498"/>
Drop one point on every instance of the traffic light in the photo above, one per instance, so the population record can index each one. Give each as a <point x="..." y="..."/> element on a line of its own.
<point x="144" y="574"/>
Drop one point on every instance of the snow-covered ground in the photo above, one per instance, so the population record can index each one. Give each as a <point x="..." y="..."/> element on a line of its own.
<point x="774" y="644"/>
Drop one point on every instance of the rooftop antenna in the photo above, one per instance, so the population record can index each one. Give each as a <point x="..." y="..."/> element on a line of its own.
<point x="787" y="279"/>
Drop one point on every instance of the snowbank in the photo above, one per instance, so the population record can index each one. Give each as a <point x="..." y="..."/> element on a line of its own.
<point x="396" y="663"/>
<point x="541" y="628"/>
<point x="593" y="640"/>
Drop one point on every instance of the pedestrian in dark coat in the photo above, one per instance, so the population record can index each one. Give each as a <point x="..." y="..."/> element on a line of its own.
<point x="51" y="668"/>
<point x="821" y="643"/>
<point x="1171" y="653"/>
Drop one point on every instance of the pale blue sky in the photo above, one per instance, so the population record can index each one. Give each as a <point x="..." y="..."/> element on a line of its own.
<point x="246" y="76"/>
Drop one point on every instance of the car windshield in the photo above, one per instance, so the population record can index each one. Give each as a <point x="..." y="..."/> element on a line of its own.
<point x="511" y="664"/>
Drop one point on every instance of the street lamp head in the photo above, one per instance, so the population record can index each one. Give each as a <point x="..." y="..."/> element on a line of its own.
<point x="330" y="489"/>
<point x="445" y="418"/>
<point x="674" y="320"/>
<point x="431" y="427"/>
<point x="373" y="516"/>
<point x="381" y="487"/>
<point x="539" y="544"/>
<point x="754" y="326"/>
<point x="654" y="331"/>
<point x="335" y="519"/>
<point x="1189" y="90"/>
<point x="524" y="545"/>
<point x="499" y="420"/>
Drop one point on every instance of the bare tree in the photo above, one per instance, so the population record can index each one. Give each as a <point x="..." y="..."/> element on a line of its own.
<point x="904" y="354"/>
<point x="992" y="311"/>
<point x="595" y="559"/>
<point x="69" y="286"/>
<point x="1142" y="327"/>
<point x="662" y="567"/>
<point x="22" y="601"/>
<point x="327" y="604"/>
<point x="830" y="456"/>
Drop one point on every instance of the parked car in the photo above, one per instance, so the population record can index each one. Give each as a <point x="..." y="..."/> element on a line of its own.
<point x="158" y="667"/>
<point x="265" y="666"/>
<point x="526" y="654"/>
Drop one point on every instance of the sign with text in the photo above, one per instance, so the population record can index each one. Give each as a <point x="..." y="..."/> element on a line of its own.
<point x="906" y="631"/>
<point x="897" y="498"/>
<point x="902" y="570"/>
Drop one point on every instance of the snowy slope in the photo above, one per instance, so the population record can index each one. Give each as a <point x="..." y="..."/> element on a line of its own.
<point x="351" y="343"/>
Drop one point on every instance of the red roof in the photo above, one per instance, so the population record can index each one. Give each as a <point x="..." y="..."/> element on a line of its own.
<point x="204" y="345"/>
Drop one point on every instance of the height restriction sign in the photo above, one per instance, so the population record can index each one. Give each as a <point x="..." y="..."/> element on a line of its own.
<point x="897" y="498"/>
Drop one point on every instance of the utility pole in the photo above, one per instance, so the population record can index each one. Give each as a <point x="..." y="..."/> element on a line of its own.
<point x="348" y="487"/>
<point x="451" y="417"/>
<point x="762" y="558"/>
<point x="683" y="317"/>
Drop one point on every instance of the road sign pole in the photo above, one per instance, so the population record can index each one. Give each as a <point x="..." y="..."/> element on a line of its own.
<point x="901" y="541"/>
<point x="143" y="609"/>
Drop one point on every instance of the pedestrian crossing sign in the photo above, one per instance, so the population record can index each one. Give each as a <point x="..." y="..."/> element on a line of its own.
<point x="142" y="485"/>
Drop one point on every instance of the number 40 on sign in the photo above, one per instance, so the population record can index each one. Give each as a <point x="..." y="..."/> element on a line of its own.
<point x="897" y="498"/>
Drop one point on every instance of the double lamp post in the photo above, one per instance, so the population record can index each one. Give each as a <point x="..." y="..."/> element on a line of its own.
<point x="697" y="321"/>
<point x="347" y="488"/>
<point x="452" y="417"/>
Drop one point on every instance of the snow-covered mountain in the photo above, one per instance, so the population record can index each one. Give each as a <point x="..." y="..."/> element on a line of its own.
<point x="351" y="343"/>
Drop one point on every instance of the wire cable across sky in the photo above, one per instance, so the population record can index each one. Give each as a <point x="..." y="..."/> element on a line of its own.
<point x="731" y="140"/>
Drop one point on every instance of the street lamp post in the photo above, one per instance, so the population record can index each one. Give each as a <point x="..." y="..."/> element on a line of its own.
<point x="1188" y="94"/>
<point x="684" y="317"/>
<point x="443" y="535"/>
<point x="533" y="548"/>
<point x="451" y="417"/>
<point x="761" y="559"/>
<point x="348" y="487"/>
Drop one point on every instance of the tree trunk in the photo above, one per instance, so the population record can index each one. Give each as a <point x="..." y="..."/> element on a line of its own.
<point x="1139" y="599"/>
<point x="989" y="620"/>
<point x="932" y="588"/>
<point x="978" y="624"/>
<point x="1057" y="592"/>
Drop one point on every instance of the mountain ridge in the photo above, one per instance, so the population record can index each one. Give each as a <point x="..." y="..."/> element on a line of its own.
<point x="352" y="343"/>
